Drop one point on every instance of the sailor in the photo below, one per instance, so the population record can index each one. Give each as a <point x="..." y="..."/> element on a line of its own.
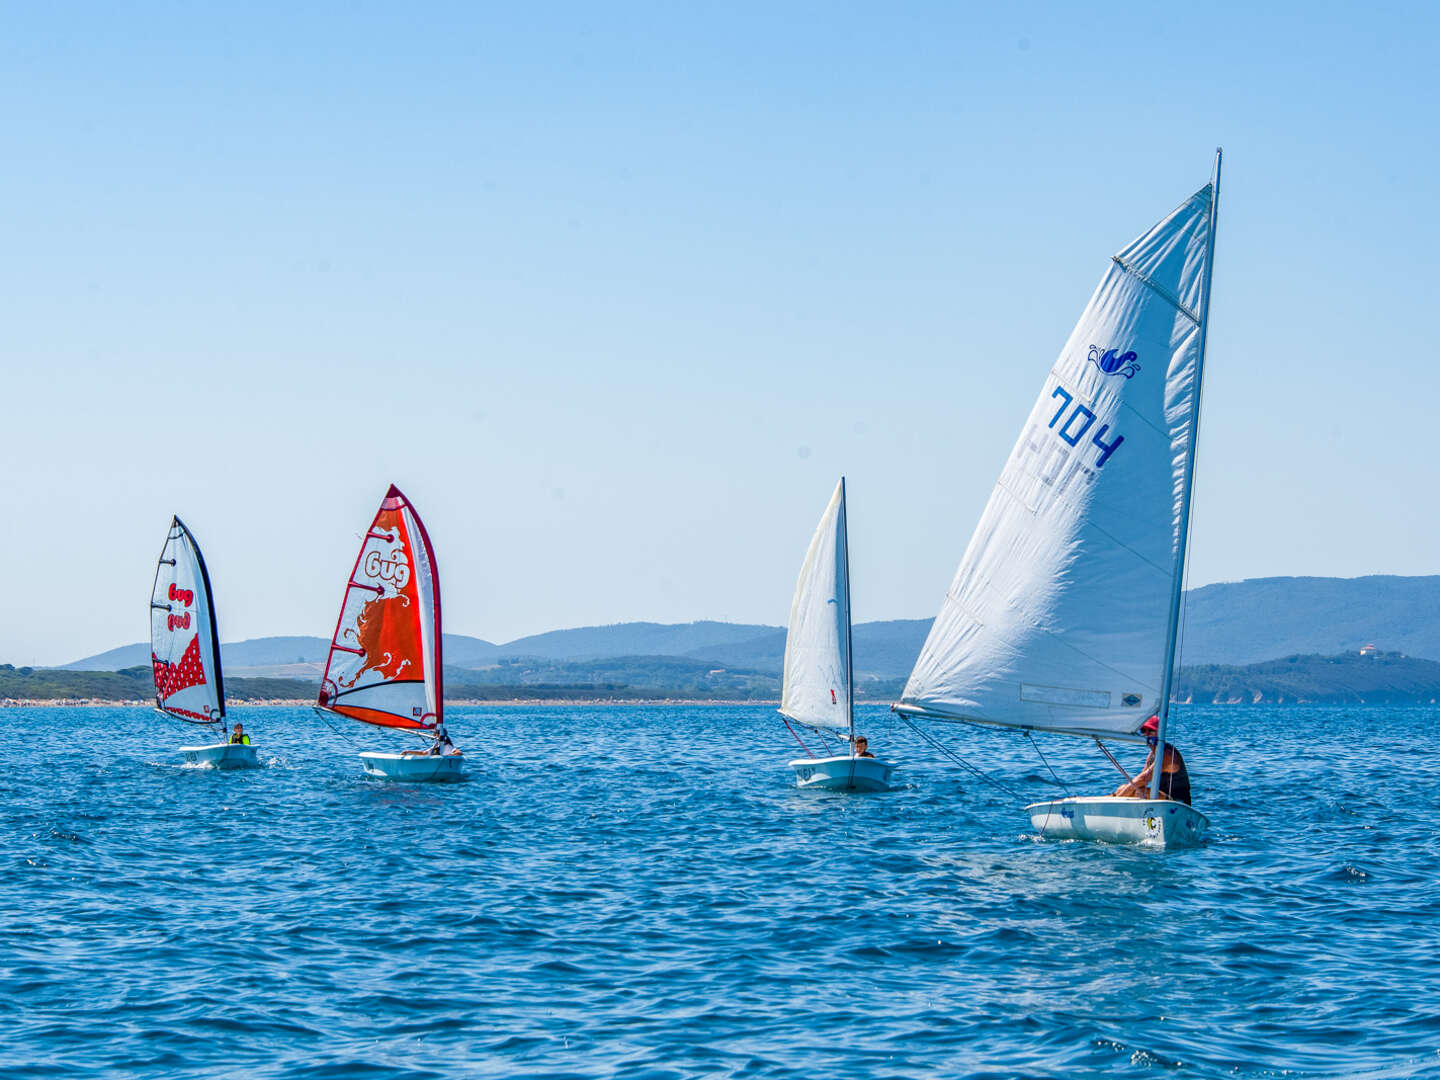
<point x="238" y="736"/>
<point x="862" y="746"/>
<point x="440" y="744"/>
<point x="1174" y="777"/>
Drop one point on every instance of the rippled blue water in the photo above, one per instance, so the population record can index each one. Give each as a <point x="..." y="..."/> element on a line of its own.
<point x="641" y="891"/>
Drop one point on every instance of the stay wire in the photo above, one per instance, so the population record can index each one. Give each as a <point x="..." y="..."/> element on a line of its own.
<point x="958" y="759"/>
<point x="1053" y="773"/>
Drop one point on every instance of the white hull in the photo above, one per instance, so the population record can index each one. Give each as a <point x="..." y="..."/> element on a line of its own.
<point x="221" y="756"/>
<point x="842" y="774"/>
<point x="414" y="768"/>
<point x="1114" y="820"/>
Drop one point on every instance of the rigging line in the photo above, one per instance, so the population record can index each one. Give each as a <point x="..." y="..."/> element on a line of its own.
<point x="1053" y="773"/>
<point x="1106" y="751"/>
<point x="958" y="759"/>
<point x="337" y="731"/>
<point x="797" y="738"/>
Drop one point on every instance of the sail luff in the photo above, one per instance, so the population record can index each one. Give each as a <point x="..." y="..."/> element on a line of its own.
<point x="430" y="628"/>
<point x="1177" y="595"/>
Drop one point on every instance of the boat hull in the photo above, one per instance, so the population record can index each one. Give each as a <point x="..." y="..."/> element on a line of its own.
<point x="414" y="768"/>
<point x="220" y="756"/>
<point x="1114" y="820"/>
<point x="842" y="774"/>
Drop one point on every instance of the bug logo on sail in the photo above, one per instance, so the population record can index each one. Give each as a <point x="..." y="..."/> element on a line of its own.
<point x="1114" y="362"/>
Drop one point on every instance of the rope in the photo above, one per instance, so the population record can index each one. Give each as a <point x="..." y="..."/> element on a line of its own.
<point x="1106" y="751"/>
<point x="797" y="738"/>
<point x="1047" y="763"/>
<point x="345" y="734"/>
<point x="958" y="759"/>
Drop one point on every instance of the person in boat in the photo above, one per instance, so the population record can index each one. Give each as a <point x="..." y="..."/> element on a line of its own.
<point x="441" y="744"/>
<point x="1174" y="777"/>
<point x="862" y="747"/>
<point x="238" y="736"/>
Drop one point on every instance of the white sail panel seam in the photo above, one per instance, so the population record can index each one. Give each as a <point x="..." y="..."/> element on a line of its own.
<point x="1159" y="290"/>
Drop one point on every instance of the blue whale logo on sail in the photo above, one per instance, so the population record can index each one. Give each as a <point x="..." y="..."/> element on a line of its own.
<point x="1114" y="362"/>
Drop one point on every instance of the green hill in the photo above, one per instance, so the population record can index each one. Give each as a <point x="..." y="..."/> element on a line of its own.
<point x="1348" y="679"/>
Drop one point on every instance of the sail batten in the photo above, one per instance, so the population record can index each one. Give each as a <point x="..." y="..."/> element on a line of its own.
<point x="817" y="687"/>
<point x="184" y="640"/>
<point x="384" y="664"/>
<point x="1058" y="616"/>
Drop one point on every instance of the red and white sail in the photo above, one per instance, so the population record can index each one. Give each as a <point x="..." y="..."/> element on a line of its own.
<point x="184" y="645"/>
<point x="384" y="663"/>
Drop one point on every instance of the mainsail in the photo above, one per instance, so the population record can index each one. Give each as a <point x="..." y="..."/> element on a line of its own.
<point x="184" y="645"/>
<point x="384" y="664"/>
<point x="817" y="688"/>
<point x="1061" y="616"/>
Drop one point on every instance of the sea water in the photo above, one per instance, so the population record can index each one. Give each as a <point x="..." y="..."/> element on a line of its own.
<point x="641" y="891"/>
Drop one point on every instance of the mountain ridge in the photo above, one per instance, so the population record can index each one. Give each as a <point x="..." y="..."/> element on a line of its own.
<point x="1232" y="623"/>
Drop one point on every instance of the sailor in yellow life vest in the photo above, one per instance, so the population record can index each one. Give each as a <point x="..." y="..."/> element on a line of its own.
<point x="238" y="736"/>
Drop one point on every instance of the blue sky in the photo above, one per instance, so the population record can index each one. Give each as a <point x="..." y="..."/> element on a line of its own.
<point x="616" y="294"/>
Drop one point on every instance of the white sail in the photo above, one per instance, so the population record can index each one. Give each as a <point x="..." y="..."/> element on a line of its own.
<point x="184" y="645"/>
<point x="1059" y="615"/>
<point x="817" y="648"/>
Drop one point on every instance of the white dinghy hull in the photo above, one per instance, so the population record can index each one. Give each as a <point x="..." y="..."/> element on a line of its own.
<point x="842" y="774"/>
<point x="414" y="768"/>
<point x="1114" y="820"/>
<point x="220" y="756"/>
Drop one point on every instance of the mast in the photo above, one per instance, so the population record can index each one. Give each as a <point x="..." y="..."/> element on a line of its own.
<point x="849" y="652"/>
<point x="1177" y="592"/>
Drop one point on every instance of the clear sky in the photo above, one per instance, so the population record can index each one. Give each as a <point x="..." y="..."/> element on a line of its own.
<point x="616" y="292"/>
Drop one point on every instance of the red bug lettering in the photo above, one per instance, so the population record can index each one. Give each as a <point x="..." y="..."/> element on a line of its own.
<point x="185" y="596"/>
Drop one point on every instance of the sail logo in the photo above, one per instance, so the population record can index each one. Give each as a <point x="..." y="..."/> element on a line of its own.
<point x="395" y="570"/>
<point x="178" y="622"/>
<point x="1114" y="362"/>
<point x="184" y="596"/>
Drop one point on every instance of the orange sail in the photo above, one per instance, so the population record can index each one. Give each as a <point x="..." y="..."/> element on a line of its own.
<point x="384" y="665"/>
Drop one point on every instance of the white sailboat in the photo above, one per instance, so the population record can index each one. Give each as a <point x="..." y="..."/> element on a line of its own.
<point x="185" y="651"/>
<point x="384" y="666"/>
<point x="1063" y="613"/>
<point x="819" y="687"/>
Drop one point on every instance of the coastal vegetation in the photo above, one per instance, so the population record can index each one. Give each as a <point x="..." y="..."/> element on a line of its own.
<point x="1349" y="678"/>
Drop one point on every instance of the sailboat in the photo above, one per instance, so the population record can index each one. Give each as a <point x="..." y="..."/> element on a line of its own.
<point x="1063" y="614"/>
<point x="819" y="687"/>
<point x="384" y="666"/>
<point x="185" y="650"/>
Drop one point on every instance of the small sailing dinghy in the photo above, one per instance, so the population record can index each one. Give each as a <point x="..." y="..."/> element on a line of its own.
<point x="819" y="671"/>
<point x="384" y="666"/>
<point x="185" y="651"/>
<point x="1063" y="614"/>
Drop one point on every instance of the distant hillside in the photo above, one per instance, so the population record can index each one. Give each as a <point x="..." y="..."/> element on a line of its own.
<point x="1232" y="623"/>
<point x="884" y="649"/>
<point x="1348" y="679"/>
<point x="1248" y="621"/>
<point x="633" y="639"/>
<point x="128" y="684"/>
<point x="273" y="652"/>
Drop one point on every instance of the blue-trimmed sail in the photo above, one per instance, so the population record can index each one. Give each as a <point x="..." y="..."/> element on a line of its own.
<point x="1058" y="616"/>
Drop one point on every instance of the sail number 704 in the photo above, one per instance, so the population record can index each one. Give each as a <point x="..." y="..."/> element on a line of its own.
<point x="1077" y="425"/>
